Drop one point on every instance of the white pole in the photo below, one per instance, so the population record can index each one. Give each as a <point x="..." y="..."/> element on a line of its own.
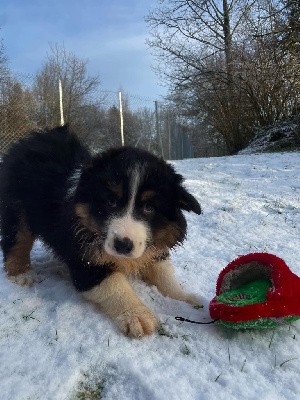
<point x="62" y="120"/>
<point x="158" y="129"/>
<point x="121" y="118"/>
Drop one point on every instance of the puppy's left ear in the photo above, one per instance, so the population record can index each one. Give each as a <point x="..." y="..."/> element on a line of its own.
<point x="187" y="201"/>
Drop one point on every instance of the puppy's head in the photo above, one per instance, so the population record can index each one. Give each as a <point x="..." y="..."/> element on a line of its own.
<point x="131" y="201"/>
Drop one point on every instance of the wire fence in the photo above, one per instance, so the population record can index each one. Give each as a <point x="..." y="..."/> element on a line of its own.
<point x="102" y="118"/>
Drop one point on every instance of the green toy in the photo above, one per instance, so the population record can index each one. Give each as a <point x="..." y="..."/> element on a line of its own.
<point x="251" y="293"/>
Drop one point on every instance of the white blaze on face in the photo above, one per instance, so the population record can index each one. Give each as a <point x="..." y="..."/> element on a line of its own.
<point x="126" y="227"/>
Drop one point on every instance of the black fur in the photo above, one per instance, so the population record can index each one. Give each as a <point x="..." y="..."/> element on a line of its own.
<point x="38" y="185"/>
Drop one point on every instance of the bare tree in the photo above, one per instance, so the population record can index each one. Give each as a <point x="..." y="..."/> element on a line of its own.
<point x="195" y="42"/>
<point x="147" y="134"/>
<point x="271" y="62"/>
<point x="232" y="65"/>
<point x="4" y="71"/>
<point x="76" y="84"/>
<point x="190" y="31"/>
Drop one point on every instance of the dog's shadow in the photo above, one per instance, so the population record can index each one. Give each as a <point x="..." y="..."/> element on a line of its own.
<point x="53" y="278"/>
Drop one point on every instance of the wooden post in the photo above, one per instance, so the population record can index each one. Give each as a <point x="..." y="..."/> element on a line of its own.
<point x="62" y="120"/>
<point x="158" y="133"/>
<point x="121" y="119"/>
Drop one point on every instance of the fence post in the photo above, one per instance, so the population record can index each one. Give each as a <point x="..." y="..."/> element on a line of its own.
<point x="169" y="134"/>
<point x="62" y="120"/>
<point x="121" y="119"/>
<point x="158" y="129"/>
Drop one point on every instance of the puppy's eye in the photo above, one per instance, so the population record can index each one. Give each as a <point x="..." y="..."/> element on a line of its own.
<point x="148" y="209"/>
<point x="112" y="202"/>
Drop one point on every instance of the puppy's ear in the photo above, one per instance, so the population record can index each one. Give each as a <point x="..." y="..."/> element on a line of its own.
<point x="187" y="201"/>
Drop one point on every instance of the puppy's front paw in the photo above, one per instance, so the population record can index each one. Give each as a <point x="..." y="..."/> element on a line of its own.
<point x="193" y="300"/>
<point x="137" y="322"/>
<point x="26" y="279"/>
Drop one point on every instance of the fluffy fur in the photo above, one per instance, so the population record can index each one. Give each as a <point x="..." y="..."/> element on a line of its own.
<point x="105" y="216"/>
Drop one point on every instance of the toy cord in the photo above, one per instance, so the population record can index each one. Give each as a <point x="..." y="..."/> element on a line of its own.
<point x="195" y="322"/>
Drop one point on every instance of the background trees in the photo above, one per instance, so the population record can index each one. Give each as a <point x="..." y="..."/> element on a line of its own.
<point x="32" y="103"/>
<point x="13" y="115"/>
<point x="197" y="40"/>
<point x="232" y="65"/>
<point x="77" y="86"/>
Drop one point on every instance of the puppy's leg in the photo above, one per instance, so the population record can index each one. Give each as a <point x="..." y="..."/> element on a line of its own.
<point x="117" y="299"/>
<point x="162" y="275"/>
<point x="17" y="243"/>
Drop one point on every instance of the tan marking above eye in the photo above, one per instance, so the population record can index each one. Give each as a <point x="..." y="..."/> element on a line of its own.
<point x="147" y="195"/>
<point x="116" y="188"/>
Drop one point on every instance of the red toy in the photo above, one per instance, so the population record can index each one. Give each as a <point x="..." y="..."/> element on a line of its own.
<point x="256" y="290"/>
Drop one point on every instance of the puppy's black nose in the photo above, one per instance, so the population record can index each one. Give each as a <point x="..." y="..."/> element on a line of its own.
<point x="123" y="245"/>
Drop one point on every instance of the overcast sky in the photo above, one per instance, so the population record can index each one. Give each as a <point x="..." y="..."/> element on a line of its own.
<point x="111" y="34"/>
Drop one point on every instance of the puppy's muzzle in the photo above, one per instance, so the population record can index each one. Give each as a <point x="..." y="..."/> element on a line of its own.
<point x="123" y="245"/>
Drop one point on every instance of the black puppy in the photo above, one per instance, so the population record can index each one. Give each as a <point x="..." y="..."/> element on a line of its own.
<point x="105" y="216"/>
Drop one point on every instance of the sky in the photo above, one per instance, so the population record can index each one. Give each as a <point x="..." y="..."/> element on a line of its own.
<point x="111" y="34"/>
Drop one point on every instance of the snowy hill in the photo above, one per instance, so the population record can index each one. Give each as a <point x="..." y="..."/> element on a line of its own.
<point x="55" y="346"/>
<point x="280" y="137"/>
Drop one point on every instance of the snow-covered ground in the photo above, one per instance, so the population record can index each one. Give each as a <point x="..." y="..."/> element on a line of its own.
<point x="54" y="345"/>
<point x="280" y="136"/>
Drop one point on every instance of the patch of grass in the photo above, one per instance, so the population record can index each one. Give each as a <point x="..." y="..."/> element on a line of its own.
<point x="162" y="331"/>
<point x="243" y="366"/>
<point x="198" y="307"/>
<point x="92" y="383"/>
<point x="229" y="356"/>
<point x="284" y="362"/>
<point x="185" y="350"/>
<point x="236" y="184"/>
<point x="272" y="337"/>
<point x="276" y="207"/>
<point x="86" y="393"/>
<point x="90" y="388"/>
<point x="15" y="301"/>
<point x="29" y="316"/>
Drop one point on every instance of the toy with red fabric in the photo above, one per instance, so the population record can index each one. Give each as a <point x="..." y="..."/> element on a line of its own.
<point x="256" y="291"/>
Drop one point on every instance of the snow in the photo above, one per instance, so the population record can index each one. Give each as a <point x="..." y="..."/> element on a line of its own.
<point x="54" y="345"/>
<point x="272" y="138"/>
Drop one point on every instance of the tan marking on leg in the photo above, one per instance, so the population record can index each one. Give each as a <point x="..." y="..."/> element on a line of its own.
<point x="162" y="275"/>
<point x="17" y="260"/>
<point x="117" y="299"/>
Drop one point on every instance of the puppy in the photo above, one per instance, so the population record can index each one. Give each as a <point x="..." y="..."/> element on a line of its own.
<point x="106" y="216"/>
